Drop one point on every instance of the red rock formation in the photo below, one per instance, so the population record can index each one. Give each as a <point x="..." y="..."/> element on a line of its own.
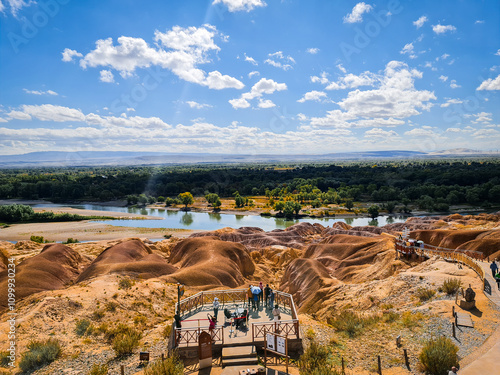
<point x="130" y="257"/>
<point x="208" y="261"/>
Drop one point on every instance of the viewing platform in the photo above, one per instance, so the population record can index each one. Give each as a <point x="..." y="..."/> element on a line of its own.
<point x="194" y="313"/>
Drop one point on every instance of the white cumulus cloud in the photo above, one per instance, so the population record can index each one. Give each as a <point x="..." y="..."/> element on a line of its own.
<point x="312" y="51"/>
<point x="253" y="73"/>
<point x="279" y="60"/>
<point x="490" y="84"/>
<point x="38" y="92"/>
<point x="106" y="76"/>
<point x="420" y="22"/>
<point x="251" y="60"/>
<point x="180" y="50"/>
<point x="394" y="98"/>
<point x="241" y="5"/>
<point x="454" y="84"/>
<point x="312" y="95"/>
<point x="357" y="13"/>
<point x="196" y="105"/>
<point x="441" y="29"/>
<point x="266" y="103"/>
<point x="68" y="54"/>
<point x="263" y="86"/>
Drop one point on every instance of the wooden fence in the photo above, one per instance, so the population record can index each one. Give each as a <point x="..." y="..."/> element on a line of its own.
<point x="288" y="328"/>
<point x="466" y="257"/>
<point x="189" y="336"/>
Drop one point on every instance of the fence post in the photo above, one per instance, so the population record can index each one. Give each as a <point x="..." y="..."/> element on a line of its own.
<point x="379" y="366"/>
<point x="453" y="329"/>
<point x="122" y="370"/>
<point x="343" y="368"/>
<point x="407" y="362"/>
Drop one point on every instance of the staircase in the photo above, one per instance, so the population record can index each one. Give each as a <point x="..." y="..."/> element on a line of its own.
<point x="240" y="355"/>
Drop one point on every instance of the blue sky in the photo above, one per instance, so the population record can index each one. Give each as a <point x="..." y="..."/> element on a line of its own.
<point x="249" y="76"/>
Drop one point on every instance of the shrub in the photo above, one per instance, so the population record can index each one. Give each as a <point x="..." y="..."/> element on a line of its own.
<point x="410" y="320"/>
<point x="167" y="331"/>
<point x="390" y="316"/>
<point x="425" y="294"/>
<point x="97" y="315"/>
<point x="38" y="239"/>
<point x="125" y="283"/>
<point x="125" y="343"/>
<point x="123" y="339"/>
<point x="352" y="323"/>
<point x="316" y="360"/>
<point x="310" y="334"/>
<point x="111" y="306"/>
<point x="39" y="354"/>
<point x="451" y="286"/>
<point x="4" y="359"/>
<point x="71" y="240"/>
<point x="101" y="369"/>
<point x="140" y="320"/>
<point x="83" y="327"/>
<point x="170" y="366"/>
<point x="438" y="356"/>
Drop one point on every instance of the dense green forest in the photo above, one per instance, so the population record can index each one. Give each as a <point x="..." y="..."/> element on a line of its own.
<point x="425" y="183"/>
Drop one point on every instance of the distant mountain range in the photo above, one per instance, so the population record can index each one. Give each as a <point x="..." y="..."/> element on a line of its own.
<point x="124" y="158"/>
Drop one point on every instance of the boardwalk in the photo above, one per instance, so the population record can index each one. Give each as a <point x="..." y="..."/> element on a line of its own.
<point x="487" y="363"/>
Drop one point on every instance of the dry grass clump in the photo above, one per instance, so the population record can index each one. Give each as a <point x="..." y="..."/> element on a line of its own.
<point x="39" y="354"/>
<point x="411" y="320"/>
<point x="438" y="356"/>
<point x="170" y="366"/>
<point x="125" y="283"/>
<point x="4" y="359"/>
<point x="83" y="327"/>
<point x="317" y="360"/>
<point x="124" y="339"/>
<point x="451" y="286"/>
<point x="99" y="369"/>
<point x="352" y="323"/>
<point x="425" y="294"/>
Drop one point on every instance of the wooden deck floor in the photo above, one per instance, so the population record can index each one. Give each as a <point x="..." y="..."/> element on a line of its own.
<point x="199" y="318"/>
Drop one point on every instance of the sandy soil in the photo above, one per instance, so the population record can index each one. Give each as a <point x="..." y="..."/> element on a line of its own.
<point x="85" y="230"/>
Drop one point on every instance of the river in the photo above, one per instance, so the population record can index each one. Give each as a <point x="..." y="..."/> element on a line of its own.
<point x="213" y="221"/>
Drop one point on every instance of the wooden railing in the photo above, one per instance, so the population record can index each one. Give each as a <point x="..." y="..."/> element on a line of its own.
<point x="466" y="257"/>
<point x="400" y="246"/>
<point x="288" y="328"/>
<point x="189" y="336"/>
<point x="231" y="296"/>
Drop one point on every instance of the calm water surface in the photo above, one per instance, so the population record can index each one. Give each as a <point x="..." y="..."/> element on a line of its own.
<point x="213" y="221"/>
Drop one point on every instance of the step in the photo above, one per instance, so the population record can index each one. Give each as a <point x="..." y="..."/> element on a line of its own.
<point x="238" y="352"/>
<point x="240" y="362"/>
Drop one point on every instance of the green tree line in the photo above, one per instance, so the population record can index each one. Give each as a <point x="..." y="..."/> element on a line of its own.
<point x="428" y="184"/>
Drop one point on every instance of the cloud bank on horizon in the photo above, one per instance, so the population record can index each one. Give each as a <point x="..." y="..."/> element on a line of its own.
<point x="248" y="76"/>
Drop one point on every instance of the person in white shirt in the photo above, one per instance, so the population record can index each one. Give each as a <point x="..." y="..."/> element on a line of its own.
<point x="276" y="313"/>
<point x="216" y="307"/>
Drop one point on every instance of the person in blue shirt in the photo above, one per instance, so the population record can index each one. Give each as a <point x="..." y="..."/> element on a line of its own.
<point x="494" y="268"/>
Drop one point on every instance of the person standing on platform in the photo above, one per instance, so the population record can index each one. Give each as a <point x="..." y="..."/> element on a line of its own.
<point x="216" y="307"/>
<point x="266" y="294"/>
<point x="250" y="296"/>
<point x="494" y="268"/>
